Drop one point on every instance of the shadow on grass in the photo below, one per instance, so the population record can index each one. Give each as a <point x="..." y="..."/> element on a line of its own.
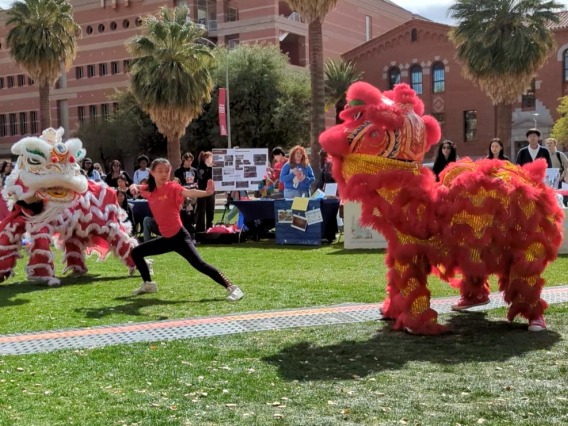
<point x="341" y="251"/>
<point x="12" y="290"/>
<point x="474" y="339"/>
<point x="134" y="304"/>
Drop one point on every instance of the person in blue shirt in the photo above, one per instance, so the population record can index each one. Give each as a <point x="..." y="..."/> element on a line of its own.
<point x="297" y="174"/>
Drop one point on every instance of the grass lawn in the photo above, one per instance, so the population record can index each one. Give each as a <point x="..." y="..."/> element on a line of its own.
<point x="486" y="372"/>
<point x="273" y="277"/>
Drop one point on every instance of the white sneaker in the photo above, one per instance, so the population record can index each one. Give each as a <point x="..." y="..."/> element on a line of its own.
<point x="146" y="287"/>
<point x="235" y="293"/>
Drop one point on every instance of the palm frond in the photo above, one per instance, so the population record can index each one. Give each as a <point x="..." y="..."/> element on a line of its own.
<point x="339" y="75"/>
<point x="502" y="43"/>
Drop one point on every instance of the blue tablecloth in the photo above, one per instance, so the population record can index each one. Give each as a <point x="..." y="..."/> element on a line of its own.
<point x="259" y="215"/>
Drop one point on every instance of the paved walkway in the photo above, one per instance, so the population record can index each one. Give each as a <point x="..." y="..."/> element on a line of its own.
<point x="47" y="341"/>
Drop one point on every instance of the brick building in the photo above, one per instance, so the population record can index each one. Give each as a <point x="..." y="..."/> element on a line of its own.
<point x="101" y="65"/>
<point x="419" y="53"/>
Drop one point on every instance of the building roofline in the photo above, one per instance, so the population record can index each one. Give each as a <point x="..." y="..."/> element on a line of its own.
<point x="416" y="19"/>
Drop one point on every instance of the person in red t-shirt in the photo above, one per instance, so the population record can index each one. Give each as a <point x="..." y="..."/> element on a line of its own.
<point x="279" y="158"/>
<point x="164" y="199"/>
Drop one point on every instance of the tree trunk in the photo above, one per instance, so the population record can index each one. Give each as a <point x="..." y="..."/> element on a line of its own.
<point x="318" y="94"/>
<point x="504" y="126"/>
<point x="44" y="110"/>
<point x="174" y="151"/>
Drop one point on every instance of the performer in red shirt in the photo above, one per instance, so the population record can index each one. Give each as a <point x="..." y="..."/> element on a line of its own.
<point x="164" y="199"/>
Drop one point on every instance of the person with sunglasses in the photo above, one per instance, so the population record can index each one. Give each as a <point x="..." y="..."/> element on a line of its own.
<point x="116" y="172"/>
<point x="446" y="154"/>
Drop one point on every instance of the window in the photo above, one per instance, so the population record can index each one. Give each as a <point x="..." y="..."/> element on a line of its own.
<point x="13" y="125"/>
<point x="126" y="65"/>
<point x="114" y="67"/>
<point x="78" y="72"/>
<point x="101" y="28"/>
<point x="414" y="35"/>
<point x="113" y="26"/>
<point x="394" y="77"/>
<point x="90" y="71"/>
<point x="528" y="98"/>
<point x="438" y="77"/>
<point x="441" y="118"/>
<point x="104" y="112"/>
<point x="470" y="125"/>
<point x="566" y="65"/>
<point x="125" y="24"/>
<point x="234" y="42"/>
<point x="93" y="113"/>
<point x="1" y="82"/>
<point x="81" y="114"/>
<point x="23" y="123"/>
<point x="368" y="28"/>
<point x="3" y="126"/>
<point x="233" y="14"/>
<point x="138" y="21"/>
<point x="21" y="80"/>
<point x="89" y="30"/>
<point x="103" y="69"/>
<point x="30" y="81"/>
<point x="416" y="79"/>
<point x="10" y="81"/>
<point x="33" y="122"/>
<point x="114" y="107"/>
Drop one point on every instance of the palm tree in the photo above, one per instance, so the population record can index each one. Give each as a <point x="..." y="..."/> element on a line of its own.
<point x="170" y="75"/>
<point x="501" y="45"/>
<point x="314" y="11"/>
<point x="339" y="75"/>
<point x="42" y="38"/>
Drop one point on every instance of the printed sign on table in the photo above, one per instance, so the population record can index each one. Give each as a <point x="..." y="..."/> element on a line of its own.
<point x="239" y="168"/>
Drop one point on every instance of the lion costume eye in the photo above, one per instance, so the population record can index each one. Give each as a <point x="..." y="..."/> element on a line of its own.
<point x="32" y="161"/>
<point x="60" y="148"/>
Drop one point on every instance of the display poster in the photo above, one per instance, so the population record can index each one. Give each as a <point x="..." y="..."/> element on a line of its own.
<point x="357" y="237"/>
<point x="239" y="168"/>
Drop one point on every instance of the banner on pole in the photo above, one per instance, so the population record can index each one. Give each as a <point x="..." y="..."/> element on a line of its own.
<point x="222" y="112"/>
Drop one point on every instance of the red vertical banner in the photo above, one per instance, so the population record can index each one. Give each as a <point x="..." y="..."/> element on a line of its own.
<point x="222" y="112"/>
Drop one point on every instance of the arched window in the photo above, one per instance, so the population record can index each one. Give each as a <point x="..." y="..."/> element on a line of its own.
<point x="438" y="78"/>
<point x="565" y="56"/>
<point x="414" y="35"/>
<point x="394" y="77"/>
<point x="416" y="79"/>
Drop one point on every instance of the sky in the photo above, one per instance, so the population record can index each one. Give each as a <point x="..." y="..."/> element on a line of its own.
<point x="435" y="9"/>
<point x="431" y="9"/>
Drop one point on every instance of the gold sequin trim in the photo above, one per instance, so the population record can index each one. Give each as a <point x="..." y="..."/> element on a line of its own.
<point x="419" y="305"/>
<point x="369" y="164"/>
<point x="535" y="251"/>
<point x="411" y="285"/>
<point x="478" y="222"/>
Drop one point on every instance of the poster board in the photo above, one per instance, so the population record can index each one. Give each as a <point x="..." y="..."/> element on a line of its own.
<point x="552" y="177"/>
<point x="239" y="169"/>
<point x="564" y="247"/>
<point x="355" y="236"/>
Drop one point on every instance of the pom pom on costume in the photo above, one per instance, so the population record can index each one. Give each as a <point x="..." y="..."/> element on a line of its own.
<point x="49" y="196"/>
<point x="482" y="218"/>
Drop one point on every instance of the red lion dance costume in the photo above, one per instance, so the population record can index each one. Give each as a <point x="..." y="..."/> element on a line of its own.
<point x="485" y="217"/>
<point x="48" y="196"/>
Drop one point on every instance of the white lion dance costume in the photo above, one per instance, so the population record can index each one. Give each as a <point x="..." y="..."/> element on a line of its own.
<point x="49" y="197"/>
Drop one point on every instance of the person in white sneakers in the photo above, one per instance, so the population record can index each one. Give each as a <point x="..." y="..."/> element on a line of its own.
<point x="164" y="199"/>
